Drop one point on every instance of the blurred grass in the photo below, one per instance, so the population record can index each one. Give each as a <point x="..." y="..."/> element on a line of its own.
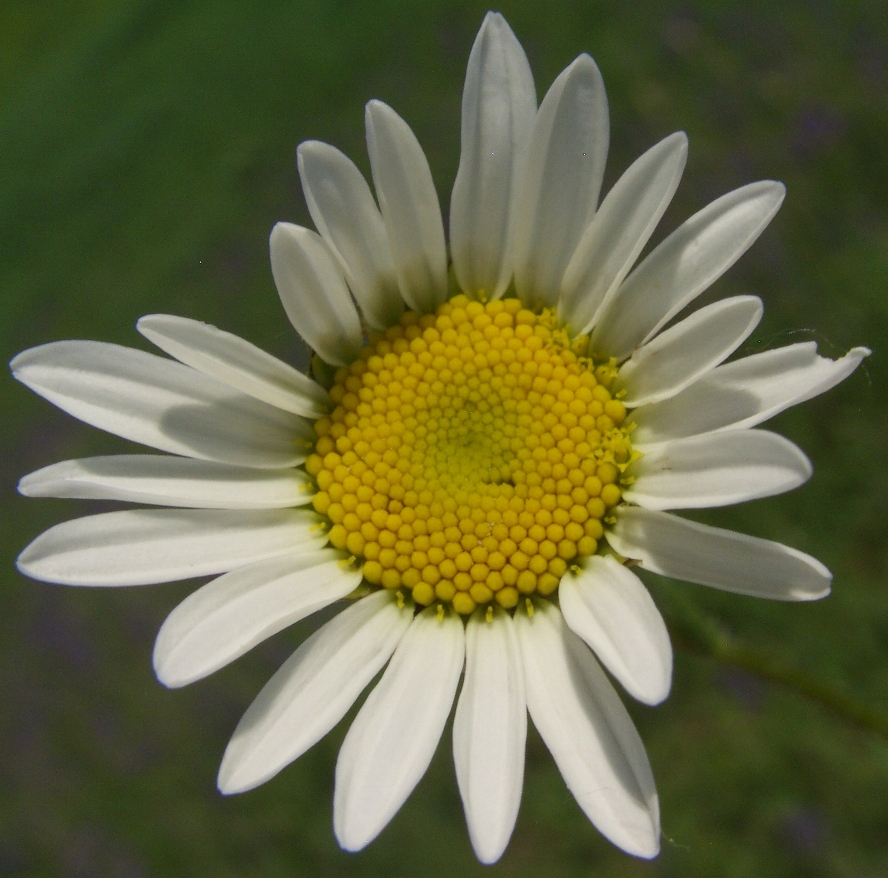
<point x="146" y="148"/>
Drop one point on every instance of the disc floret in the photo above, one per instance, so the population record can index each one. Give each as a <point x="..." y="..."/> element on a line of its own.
<point x="472" y="455"/>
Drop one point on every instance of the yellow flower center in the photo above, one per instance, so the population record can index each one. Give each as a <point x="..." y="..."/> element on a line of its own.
<point x="472" y="455"/>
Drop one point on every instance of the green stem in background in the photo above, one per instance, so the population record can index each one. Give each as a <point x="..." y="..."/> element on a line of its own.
<point x="693" y="630"/>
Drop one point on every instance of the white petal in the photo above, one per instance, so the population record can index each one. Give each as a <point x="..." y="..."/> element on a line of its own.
<point x="489" y="733"/>
<point x="393" y="738"/>
<point x="341" y="204"/>
<point x="683" y="549"/>
<point x="163" y="404"/>
<point x="314" y="294"/>
<point x="620" y="229"/>
<point x="236" y="362"/>
<point x="744" y="393"/>
<point x="410" y="208"/>
<point x="607" y="605"/>
<point x="230" y="615"/>
<point x="170" y="481"/>
<point x="559" y="192"/>
<point x="717" y="469"/>
<point x="586" y="728"/>
<point x="684" y="352"/>
<point x="145" y="546"/>
<point x="498" y="111"/>
<point x="692" y="258"/>
<point x="313" y="690"/>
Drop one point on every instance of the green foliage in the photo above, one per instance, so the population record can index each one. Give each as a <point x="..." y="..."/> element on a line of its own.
<point x="147" y="148"/>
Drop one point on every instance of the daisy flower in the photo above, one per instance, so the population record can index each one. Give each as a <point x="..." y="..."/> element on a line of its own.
<point x="492" y="441"/>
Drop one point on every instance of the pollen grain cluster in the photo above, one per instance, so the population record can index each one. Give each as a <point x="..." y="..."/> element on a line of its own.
<point x="471" y="456"/>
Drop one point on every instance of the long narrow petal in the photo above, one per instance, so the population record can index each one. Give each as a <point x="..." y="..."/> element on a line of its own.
<point x="744" y="393"/>
<point x="489" y="733"/>
<point x="236" y="362"/>
<point x="607" y="605"/>
<point x="341" y="204"/>
<point x="692" y="258"/>
<point x="410" y="208"/>
<point x="314" y="294"/>
<point x="620" y="229"/>
<point x="586" y="728"/>
<point x="684" y="352"/>
<point x="312" y="690"/>
<point x="145" y="546"/>
<point x="393" y="738"/>
<point x="170" y="481"/>
<point x="230" y="615"/>
<point x="498" y="110"/>
<point x="718" y="469"/>
<point x="162" y="404"/>
<point x="694" y="552"/>
<point x="559" y="192"/>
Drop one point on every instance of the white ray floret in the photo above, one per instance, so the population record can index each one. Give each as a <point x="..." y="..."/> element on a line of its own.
<point x="608" y="606"/>
<point x="162" y="404"/>
<point x="236" y="362"/>
<point x="489" y="732"/>
<point x="160" y="479"/>
<point x="744" y="393"/>
<point x="230" y="615"/>
<point x="494" y="141"/>
<point x="409" y="206"/>
<point x="314" y="294"/>
<point x="717" y="469"/>
<point x="146" y="546"/>
<point x="619" y="230"/>
<point x="685" y="264"/>
<point x="559" y="191"/>
<point x="685" y="352"/>
<point x="586" y="728"/>
<point x="341" y="204"/>
<point x="393" y="738"/>
<point x="683" y="549"/>
<point x="313" y="690"/>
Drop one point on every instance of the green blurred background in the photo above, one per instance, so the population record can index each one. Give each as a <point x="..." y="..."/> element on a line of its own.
<point x="147" y="147"/>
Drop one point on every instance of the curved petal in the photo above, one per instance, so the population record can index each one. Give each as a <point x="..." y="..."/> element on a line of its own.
<point x="489" y="733"/>
<point x="607" y="605"/>
<point x="498" y="110"/>
<point x="586" y="728"/>
<point x="691" y="259"/>
<point x="684" y="352"/>
<point x="694" y="552"/>
<point x="146" y="546"/>
<point x="618" y="232"/>
<point x="410" y="208"/>
<point x="341" y="204"/>
<point x="717" y="469"/>
<point x="230" y="615"/>
<point x="559" y="191"/>
<point x="313" y="690"/>
<point x="393" y="738"/>
<point x="162" y="404"/>
<point x="314" y="294"/>
<point x="170" y="481"/>
<point x="744" y="393"/>
<point x="235" y="362"/>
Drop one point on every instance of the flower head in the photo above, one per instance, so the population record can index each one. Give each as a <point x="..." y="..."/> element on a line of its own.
<point x="486" y="451"/>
